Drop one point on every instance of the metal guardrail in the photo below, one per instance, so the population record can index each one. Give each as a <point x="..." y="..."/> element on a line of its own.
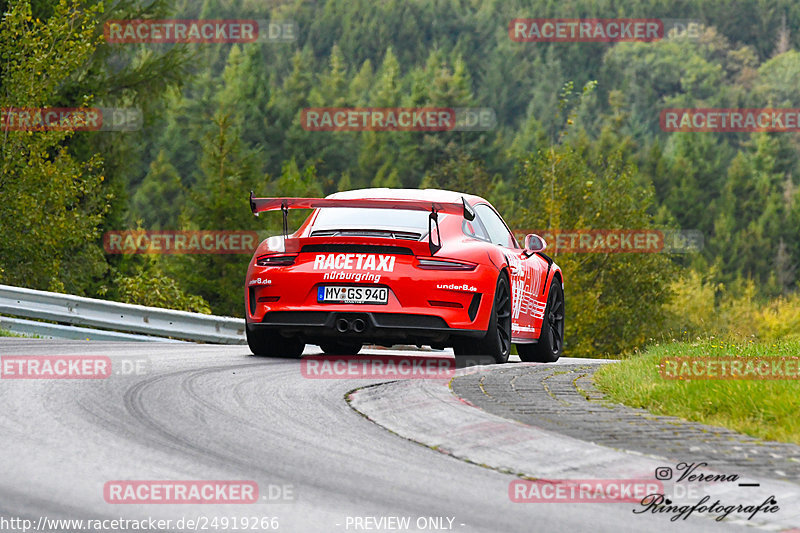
<point x="115" y="316"/>
<point x="48" y="330"/>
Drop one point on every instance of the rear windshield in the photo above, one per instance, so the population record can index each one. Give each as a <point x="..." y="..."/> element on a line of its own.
<point x="364" y="218"/>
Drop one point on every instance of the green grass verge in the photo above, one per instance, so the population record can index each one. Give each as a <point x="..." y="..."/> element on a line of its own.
<point x="766" y="409"/>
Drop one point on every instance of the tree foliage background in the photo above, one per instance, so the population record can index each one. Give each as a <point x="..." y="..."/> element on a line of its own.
<point x="222" y="119"/>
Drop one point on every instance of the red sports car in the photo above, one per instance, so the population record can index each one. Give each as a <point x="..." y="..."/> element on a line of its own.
<point x="402" y="266"/>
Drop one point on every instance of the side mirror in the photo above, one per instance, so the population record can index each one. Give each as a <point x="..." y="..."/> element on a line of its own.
<point x="534" y="243"/>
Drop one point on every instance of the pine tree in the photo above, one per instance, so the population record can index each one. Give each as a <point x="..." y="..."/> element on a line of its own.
<point x="158" y="200"/>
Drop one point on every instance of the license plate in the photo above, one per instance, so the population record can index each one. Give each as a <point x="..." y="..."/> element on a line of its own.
<point x="353" y="295"/>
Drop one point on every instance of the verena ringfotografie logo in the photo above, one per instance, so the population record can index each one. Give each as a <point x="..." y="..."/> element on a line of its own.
<point x="558" y="30"/>
<point x="728" y="120"/>
<point x="180" y="242"/>
<point x="55" y="367"/>
<point x="376" y="366"/>
<point x="660" y="504"/>
<point x="138" y="492"/>
<point x="198" y="31"/>
<point x="695" y="476"/>
<point x="70" y="119"/>
<point x="582" y="490"/>
<point x="607" y="241"/>
<point x="397" y="119"/>
<point x="770" y="368"/>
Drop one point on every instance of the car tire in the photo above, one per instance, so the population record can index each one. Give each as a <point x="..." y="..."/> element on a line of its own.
<point x="340" y="347"/>
<point x="551" y="338"/>
<point x="497" y="341"/>
<point x="266" y="343"/>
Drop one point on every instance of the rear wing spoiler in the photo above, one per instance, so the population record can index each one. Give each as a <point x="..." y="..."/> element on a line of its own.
<point x="259" y="205"/>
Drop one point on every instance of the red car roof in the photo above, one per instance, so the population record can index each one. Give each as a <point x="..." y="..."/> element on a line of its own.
<point x="436" y="195"/>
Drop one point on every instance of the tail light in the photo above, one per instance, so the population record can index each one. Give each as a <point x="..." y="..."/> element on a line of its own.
<point x="431" y="263"/>
<point x="276" y="260"/>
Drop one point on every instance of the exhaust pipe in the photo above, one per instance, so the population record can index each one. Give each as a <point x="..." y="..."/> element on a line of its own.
<point x="342" y="325"/>
<point x="359" y="325"/>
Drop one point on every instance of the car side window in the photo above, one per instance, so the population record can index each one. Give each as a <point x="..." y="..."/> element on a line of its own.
<point x="475" y="229"/>
<point x="498" y="232"/>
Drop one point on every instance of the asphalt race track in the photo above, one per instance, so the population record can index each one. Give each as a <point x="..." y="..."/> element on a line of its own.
<point x="202" y="412"/>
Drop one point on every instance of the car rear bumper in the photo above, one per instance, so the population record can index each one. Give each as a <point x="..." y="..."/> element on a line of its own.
<point x="364" y="327"/>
